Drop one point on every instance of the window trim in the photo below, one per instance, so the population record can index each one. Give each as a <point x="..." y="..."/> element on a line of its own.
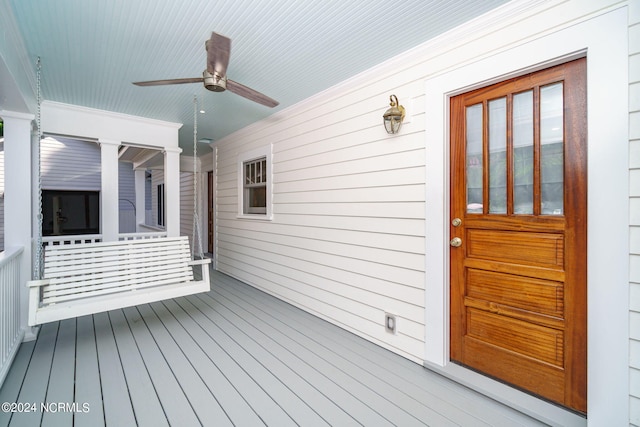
<point x="249" y="156"/>
<point x="161" y="207"/>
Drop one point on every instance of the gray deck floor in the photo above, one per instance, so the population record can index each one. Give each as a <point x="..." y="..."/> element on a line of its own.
<point x="233" y="356"/>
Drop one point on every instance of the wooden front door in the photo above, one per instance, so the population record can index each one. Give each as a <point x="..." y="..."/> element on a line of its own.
<point x="518" y="229"/>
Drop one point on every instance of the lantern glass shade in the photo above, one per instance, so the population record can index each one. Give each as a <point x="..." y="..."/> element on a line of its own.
<point x="392" y="118"/>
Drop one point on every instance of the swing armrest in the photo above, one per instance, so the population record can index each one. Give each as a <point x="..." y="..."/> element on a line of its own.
<point x="205" y="269"/>
<point x="200" y="261"/>
<point x="34" y="298"/>
<point x="38" y="283"/>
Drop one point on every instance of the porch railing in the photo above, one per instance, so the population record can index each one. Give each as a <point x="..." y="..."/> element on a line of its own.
<point x="11" y="333"/>
<point x="71" y="240"/>
<point x="135" y="236"/>
<point x="90" y="238"/>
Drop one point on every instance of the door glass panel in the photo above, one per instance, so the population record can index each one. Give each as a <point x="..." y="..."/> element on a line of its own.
<point x="498" y="156"/>
<point x="551" y="149"/>
<point x="474" y="158"/>
<point x="523" y="153"/>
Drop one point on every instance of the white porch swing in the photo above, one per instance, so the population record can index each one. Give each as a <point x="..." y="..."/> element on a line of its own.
<point x="87" y="278"/>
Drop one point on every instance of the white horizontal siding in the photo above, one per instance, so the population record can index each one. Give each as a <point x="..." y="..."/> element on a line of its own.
<point x="75" y="165"/>
<point x="2" y="167"/>
<point x="127" y="198"/>
<point x="1" y="196"/>
<point x="634" y="214"/>
<point x="68" y="164"/>
<point x="347" y="238"/>
<point x="186" y="205"/>
<point x="186" y="210"/>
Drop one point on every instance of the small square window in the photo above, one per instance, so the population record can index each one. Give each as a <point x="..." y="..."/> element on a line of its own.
<point x="254" y="184"/>
<point x="255" y="187"/>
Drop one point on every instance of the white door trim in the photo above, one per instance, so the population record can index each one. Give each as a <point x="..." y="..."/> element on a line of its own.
<point x="603" y="39"/>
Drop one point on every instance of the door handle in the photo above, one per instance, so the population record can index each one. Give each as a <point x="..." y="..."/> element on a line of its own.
<point x="456" y="242"/>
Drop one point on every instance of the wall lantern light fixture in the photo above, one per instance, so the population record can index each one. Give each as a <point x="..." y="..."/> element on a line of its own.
<point x="392" y="118"/>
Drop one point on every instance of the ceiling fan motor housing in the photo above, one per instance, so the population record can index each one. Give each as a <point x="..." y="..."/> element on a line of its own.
<point x="214" y="82"/>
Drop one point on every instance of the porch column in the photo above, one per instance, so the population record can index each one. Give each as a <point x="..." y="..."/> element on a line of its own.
<point x="140" y="188"/>
<point x="17" y="198"/>
<point x="109" y="221"/>
<point x="172" y="190"/>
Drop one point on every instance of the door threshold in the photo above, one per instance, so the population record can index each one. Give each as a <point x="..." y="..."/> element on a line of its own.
<point x="539" y="409"/>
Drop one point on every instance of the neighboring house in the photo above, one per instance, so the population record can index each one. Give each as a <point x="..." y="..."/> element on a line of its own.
<point x="127" y="198"/>
<point x="157" y="207"/>
<point x="70" y="178"/>
<point x="320" y="207"/>
<point x="70" y="186"/>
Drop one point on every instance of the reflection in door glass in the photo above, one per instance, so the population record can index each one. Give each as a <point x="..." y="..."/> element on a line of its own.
<point x="551" y="149"/>
<point x="498" y="156"/>
<point x="474" y="158"/>
<point x="523" y="153"/>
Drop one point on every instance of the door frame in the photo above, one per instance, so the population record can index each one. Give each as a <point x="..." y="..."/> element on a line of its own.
<point x="210" y="212"/>
<point x="603" y="40"/>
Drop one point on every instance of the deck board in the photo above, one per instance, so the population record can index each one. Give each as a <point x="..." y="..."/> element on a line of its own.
<point x="282" y="402"/>
<point x="116" y="401"/>
<point x="36" y="380"/>
<point x="460" y="403"/>
<point x="199" y="389"/>
<point x="410" y="378"/>
<point x="87" y="376"/>
<point x="15" y="378"/>
<point x="144" y="400"/>
<point x="398" y="407"/>
<point x="232" y="356"/>
<point x="260" y="404"/>
<point x="348" y="393"/>
<point x="224" y="377"/>
<point x="62" y="378"/>
<point x="290" y="390"/>
<point x="195" y="390"/>
<point x="325" y="385"/>
<point x="175" y="403"/>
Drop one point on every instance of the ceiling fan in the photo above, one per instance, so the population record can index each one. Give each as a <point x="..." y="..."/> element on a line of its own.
<point x="214" y="77"/>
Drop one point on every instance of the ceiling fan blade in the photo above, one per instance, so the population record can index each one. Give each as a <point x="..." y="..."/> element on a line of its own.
<point x="253" y="95"/>
<point x="218" y="52"/>
<point x="169" y="82"/>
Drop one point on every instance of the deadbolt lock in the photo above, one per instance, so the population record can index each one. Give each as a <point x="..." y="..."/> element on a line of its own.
<point x="456" y="222"/>
<point x="456" y="242"/>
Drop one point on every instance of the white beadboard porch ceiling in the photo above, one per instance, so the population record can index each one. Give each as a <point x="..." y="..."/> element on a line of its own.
<point x="92" y="50"/>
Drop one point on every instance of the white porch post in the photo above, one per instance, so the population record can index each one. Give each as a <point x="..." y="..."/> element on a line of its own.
<point x="172" y="190"/>
<point x="140" y="177"/>
<point x="109" y="211"/>
<point x="17" y="198"/>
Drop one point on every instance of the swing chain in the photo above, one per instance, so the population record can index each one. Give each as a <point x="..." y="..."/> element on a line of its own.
<point x="39" y="258"/>
<point x="196" y="206"/>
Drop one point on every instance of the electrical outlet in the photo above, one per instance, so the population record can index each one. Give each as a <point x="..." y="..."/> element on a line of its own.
<point x="390" y="323"/>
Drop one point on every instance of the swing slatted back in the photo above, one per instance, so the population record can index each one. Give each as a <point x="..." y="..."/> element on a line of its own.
<point x="91" y="277"/>
<point x="81" y="271"/>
